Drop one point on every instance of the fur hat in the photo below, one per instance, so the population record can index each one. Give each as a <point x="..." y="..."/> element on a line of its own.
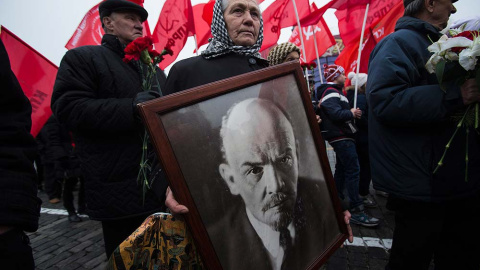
<point x="278" y="54"/>
<point x="361" y="78"/>
<point x="108" y="6"/>
<point x="331" y="72"/>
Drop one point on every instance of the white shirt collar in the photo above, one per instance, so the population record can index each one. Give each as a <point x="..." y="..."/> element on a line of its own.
<point x="270" y="239"/>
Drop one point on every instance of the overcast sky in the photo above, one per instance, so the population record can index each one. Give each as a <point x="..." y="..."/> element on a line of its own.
<point x="47" y="25"/>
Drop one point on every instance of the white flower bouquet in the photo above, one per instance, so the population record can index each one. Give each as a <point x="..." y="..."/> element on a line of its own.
<point x="461" y="51"/>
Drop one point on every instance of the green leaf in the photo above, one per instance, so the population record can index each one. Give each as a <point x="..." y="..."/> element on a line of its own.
<point x="439" y="69"/>
<point x="477" y="76"/>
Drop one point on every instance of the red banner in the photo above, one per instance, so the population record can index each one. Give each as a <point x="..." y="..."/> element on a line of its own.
<point x="271" y="23"/>
<point x="350" y="19"/>
<point x="377" y="31"/>
<point x="288" y="15"/>
<point x="320" y="32"/>
<point x="174" y="26"/>
<point x="36" y="75"/>
<point x="90" y="31"/>
<point x="202" y="27"/>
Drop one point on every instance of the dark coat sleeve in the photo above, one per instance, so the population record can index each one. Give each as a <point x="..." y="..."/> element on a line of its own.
<point x="19" y="204"/>
<point x="79" y="102"/>
<point x="333" y="107"/>
<point x="398" y="93"/>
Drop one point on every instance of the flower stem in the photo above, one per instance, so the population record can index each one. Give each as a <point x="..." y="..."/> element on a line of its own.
<point x="459" y="125"/>
<point x="466" y="155"/>
<point x="476" y="115"/>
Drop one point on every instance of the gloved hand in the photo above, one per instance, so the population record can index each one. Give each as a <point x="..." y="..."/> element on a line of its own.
<point x="142" y="97"/>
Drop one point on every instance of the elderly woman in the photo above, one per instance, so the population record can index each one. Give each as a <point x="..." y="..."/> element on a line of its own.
<point x="282" y="53"/>
<point x="237" y="30"/>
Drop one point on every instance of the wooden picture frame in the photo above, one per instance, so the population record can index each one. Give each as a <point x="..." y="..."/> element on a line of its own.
<point x="185" y="130"/>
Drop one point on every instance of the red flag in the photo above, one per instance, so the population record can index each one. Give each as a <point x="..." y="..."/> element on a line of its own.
<point x="350" y="19"/>
<point x="288" y="15"/>
<point x="322" y="35"/>
<point x="36" y="75"/>
<point x="202" y="14"/>
<point x="271" y="23"/>
<point x="90" y="31"/>
<point x="175" y="24"/>
<point x="377" y="31"/>
<point x="315" y="16"/>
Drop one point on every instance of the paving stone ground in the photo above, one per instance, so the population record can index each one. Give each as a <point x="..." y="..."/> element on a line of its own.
<point x="59" y="244"/>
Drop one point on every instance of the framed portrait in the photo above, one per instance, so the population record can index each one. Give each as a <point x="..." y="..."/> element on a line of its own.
<point x="246" y="156"/>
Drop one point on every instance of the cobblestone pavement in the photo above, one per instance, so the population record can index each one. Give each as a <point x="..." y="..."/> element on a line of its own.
<point x="59" y="244"/>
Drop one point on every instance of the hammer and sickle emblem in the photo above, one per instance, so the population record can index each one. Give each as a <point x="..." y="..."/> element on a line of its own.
<point x="274" y="29"/>
<point x="164" y="22"/>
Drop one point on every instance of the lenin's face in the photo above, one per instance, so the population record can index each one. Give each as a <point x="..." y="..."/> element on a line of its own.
<point x="262" y="165"/>
<point x="242" y="18"/>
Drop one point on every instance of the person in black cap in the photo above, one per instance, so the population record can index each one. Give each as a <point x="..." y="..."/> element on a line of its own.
<point x="409" y="124"/>
<point x="95" y="97"/>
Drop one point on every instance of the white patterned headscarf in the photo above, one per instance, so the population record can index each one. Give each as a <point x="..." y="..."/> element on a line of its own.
<point x="221" y="43"/>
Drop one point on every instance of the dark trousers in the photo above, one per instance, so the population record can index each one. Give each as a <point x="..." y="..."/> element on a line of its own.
<point x="15" y="251"/>
<point x="365" y="174"/>
<point x="68" y="188"/>
<point x="347" y="171"/>
<point x="53" y="184"/>
<point x="115" y="231"/>
<point x="446" y="232"/>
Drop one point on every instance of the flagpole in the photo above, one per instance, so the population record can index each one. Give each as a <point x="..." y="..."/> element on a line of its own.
<point x="318" y="58"/>
<point x="360" y="54"/>
<point x="299" y="30"/>
<point x="196" y="44"/>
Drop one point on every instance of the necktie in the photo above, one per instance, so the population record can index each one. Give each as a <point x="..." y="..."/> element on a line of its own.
<point x="286" y="242"/>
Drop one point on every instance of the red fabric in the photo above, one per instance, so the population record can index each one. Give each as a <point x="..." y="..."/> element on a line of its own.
<point x="272" y="17"/>
<point x="323" y="37"/>
<point x="175" y="24"/>
<point x="90" y="31"/>
<point x="36" y="75"/>
<point x="377" y="31"/>
<point x="351" y="18"/>
<point x="288" y="15"/>
<point x="315" y="16"/>
<point x="201" y="13"/>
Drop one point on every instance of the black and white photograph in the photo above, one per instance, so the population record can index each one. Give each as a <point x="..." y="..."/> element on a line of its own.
<point x="250" y="162"/>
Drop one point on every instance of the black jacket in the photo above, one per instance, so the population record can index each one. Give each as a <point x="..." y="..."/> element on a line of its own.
<point x="93" y="96"/>
<point x="361" y="137"/>
<point x="410" y="121"/>
<point x="19" y="204"/>
<point x="335" y="113"/>
<point x="198" y="71"/>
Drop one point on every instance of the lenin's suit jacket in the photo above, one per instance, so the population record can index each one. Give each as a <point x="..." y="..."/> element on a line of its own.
<point x="239" y="247"/>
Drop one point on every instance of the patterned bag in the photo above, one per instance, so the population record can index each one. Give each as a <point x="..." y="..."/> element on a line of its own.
<point x="161" y="242"/>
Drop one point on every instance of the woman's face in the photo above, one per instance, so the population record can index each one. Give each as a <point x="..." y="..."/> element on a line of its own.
<point x="292" y="56"/>
<point x="242" y="18"/>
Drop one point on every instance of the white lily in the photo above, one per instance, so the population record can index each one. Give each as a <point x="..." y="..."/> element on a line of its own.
<point x="432" y="62"/>
<point x="469" y="56"/>
<point x="445" y="43"/>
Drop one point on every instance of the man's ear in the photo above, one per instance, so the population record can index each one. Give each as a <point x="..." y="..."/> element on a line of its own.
<point x="107" y="22"/>
<point x="226" y="173"/>
<point x="430" y="5"/>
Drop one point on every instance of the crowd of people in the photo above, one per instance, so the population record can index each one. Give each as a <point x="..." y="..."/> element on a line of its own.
<point x="389" y="128"/>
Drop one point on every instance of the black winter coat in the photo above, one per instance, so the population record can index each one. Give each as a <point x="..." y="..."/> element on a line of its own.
<point x="335" y="112"/>
<point x="410" y="124"/>
<point x="93" y="96"/>
<point x="19" y="204"/>
<point x="198" y="71"/>
<point x="361" y="137"/>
